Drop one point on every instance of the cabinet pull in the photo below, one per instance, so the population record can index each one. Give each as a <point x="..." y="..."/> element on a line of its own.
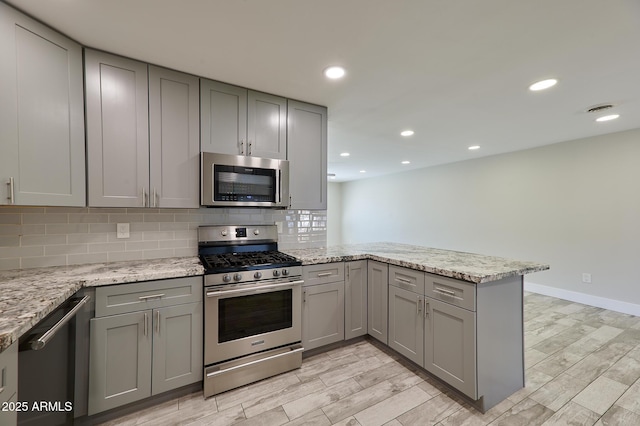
<point x="242" y="147"/>
<point x="426" y="308"/>
<point x="347" y="272"/>
<point x="3" y="379"/>
<point x="418" y="306"/>
<point x="12" y="195"/>
<point x="144" y="197"/>
<point x="445" y="292"/>
<point x="403" y="280"/>
<point x="304" y="296"/>
<point x="152" y="296"/>
<point x="145" y="323"/>
<point x="249" y="148"/>
<point x="157" y="322"/>
<point x="324" y="274"/>
<point x="155" y="198"/>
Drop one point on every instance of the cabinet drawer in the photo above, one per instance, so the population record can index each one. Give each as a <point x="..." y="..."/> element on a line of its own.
<point x="407" y="279"/>
<point x="8" y="372"/>
<point x="323" y="273"/>
<point x="120" y="299"/>
<point x="455" y="292"/>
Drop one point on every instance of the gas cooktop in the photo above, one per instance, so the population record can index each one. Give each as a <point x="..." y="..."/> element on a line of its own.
<point x="230" y="262"/>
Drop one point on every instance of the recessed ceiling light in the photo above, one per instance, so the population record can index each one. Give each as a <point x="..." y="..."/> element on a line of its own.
<point x="474" y="147"/>
<point x="406" y="162"/>
<point x="608" y="117"/>
<point x="363" y="171"/>
<point x="544" y="84"/>
<point x="406" y="133"/>
<point x="334" y="72"/>
<point x="344" y="154"/>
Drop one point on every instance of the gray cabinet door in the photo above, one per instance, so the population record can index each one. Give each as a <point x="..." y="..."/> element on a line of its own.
<point x="322" y="314"/>
<point x="223" y="118"/>
<point x="450" y="345"/>
<point x="120" y="360"/>
<point x="41" y="114"/>
<point x="307" y="154"/>
<point x="177" y="346"/>
<point x="406" y="323"/>
<point x="266" y="125"/>
<point x="355" y="299"/>
<point x="117" y="130"/>
<point x="174" y="139"/>
<point x="377" y="299"/>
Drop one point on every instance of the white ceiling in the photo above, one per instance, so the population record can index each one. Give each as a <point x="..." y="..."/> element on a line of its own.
<point x="454" y="71"/>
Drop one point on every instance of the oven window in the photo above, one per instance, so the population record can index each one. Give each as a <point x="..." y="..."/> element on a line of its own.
<point x="246" y="316"/>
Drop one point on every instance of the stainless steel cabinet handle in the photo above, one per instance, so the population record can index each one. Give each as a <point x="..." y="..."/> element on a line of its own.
<point x="157" y="322"/>
<point x="145" y="323"/>
<point x="249" y="147"/>
<point x="403" y="280"/>
<point x="153" y="296"/>
<point x="42" y="341"/>
<point x="426" y="308"/>
<point x="12" y="194"/>
<point x="242" y="147"/>
<point x="155" y="198"/>
<point x="418" y="306"/>
<point x="304" y="296"/>
<point x="324" y="274"/>
<point x="443" y="291"/>
<point x="144" y="197"/>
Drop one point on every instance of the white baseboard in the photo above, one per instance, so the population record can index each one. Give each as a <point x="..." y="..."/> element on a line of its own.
<point x="585" y="299"/>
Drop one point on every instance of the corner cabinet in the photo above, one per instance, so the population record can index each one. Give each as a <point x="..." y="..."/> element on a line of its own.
<point x="322" y="304"/>
<point x="238" y="121"/>
<point x="42" y="153"/>
<point x="307" y="155"/>
<point x="142" y="134"/>
<point x="146" y="339"/>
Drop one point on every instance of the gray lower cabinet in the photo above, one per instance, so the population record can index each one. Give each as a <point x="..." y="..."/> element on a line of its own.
<point x="377" y="299"/>
<point x="307" y="155"/>
<point x="238" y="121"/>
<point x="9" y="385"/>
<point x="145" y="352"/>
<point x="355" y="299"/>
<point x="322" y="304"/>
<point x="42" y="153"/>
<point x="406" y="323"/>
<point x="142" y="134"/>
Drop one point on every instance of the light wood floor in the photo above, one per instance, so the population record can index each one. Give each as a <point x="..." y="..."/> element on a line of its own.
<point x="582" y="368"/>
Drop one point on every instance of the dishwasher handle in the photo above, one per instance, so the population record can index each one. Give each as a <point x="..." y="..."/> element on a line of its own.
<point x="42" y="341"/>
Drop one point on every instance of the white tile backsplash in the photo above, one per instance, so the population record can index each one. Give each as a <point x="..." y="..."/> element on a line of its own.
<point x="33" y="237"/>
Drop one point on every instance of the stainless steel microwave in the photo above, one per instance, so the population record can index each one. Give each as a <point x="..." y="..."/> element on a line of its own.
<point x="243" y="181"/>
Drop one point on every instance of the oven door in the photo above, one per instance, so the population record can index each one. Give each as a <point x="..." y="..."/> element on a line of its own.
<point x="248" y="319"/>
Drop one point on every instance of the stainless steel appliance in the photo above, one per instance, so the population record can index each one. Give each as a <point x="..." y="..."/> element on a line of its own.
<point x="253" y="306"/>
<point x="243" y="181"/>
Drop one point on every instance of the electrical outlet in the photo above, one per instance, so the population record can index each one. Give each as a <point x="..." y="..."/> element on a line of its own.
<point x="586" y="277"/>
<point x="122" y="230"/>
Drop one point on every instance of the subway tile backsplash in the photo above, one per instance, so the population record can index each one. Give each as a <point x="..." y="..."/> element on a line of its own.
<point x="32" y="237"/>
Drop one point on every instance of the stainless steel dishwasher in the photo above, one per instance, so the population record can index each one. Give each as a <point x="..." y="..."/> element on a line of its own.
<point x="47" y="365"/>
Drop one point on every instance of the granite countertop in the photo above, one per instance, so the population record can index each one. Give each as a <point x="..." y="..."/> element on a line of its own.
<point x="476" y="268"/>
<point x="28" y="295"/>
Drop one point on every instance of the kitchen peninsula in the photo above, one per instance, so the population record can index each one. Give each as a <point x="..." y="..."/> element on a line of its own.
<point x="457" y="315"/>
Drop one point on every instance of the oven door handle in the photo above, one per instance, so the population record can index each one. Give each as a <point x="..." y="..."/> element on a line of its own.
<point x="255" y="289"/>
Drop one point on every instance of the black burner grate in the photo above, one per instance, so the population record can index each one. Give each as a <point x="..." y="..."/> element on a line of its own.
<point x="223" y="262"/>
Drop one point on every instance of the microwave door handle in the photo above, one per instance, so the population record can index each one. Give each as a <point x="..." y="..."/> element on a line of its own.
<point x="279" y="187"/>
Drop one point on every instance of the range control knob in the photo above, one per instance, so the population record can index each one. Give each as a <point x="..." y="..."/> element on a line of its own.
<point x="237" y="277"/>
<point x="226" y="278"/>
<point x="256" y="232"/>
<point x="276" y="273"/>
<point x="257" y="275"/>
<point x="223" y="232"/>
<point x="285" y="272"/>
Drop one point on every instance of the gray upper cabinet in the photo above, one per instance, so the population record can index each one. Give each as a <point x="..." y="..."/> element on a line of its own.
<point x="117" y="130"/>
<point x="142" y="134"/>
<point x="174" y="134"/>
<point x="42" y="156"/>
<point x="307" y="154"/>
<point x="238" y="121"/>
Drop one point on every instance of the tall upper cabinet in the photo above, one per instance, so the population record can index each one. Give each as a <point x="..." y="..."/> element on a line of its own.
<point x="238" y="121"/>
<point x="142" y="134"/>
<point x="307" y="155"/>
<point x="42" y="157"/>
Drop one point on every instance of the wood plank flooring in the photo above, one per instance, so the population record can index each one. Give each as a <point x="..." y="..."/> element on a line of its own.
<point x="582" y="368"/>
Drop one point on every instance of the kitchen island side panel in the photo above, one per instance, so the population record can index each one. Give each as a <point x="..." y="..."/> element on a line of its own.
<point x="500" y="340"/>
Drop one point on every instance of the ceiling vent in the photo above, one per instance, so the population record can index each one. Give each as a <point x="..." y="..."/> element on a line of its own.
<point x="599" y="108"/>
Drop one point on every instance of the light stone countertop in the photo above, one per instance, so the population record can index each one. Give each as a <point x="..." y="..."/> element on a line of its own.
<point x="29" y="295"/>
<point x="475" y="268"/>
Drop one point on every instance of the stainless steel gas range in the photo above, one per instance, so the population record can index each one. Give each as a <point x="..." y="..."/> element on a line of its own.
<point x="252" y="312"/>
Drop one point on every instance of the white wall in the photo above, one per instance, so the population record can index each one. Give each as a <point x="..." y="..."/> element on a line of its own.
<point x="334" y="213"/>
<point x="574" y="205"/>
